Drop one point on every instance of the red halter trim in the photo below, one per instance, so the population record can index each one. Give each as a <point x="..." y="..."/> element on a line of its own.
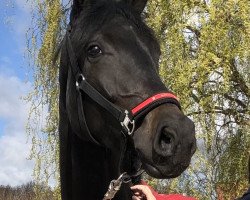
<point x="151" y="100"/>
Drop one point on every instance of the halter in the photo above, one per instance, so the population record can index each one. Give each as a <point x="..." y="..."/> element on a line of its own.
<point x="127" y="118"/>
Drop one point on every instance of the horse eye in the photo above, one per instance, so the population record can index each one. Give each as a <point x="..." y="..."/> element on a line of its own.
<point x="94" y="51"/>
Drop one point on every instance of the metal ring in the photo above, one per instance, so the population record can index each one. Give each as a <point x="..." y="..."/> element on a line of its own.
<point x="80" y="78"/>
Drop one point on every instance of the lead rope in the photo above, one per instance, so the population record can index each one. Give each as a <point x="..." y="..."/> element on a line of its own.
<point x="115" y="186"/>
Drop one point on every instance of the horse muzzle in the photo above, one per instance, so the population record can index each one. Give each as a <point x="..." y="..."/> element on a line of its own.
<point x="165" y="142"/>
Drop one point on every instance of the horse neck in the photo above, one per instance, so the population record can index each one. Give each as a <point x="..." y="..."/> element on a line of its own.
<point x="93" y="167"/>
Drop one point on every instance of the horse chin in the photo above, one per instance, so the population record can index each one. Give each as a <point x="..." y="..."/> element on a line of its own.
<point x="159" y="173"/>
<point x="152" y="171"/>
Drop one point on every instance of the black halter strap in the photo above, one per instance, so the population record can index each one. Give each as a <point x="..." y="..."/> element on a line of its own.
<point x="84" y="86"/>
<point x="123" y="116"/>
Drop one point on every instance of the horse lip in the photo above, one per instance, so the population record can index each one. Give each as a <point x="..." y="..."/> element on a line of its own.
<point x="156" y="173"/>
<point x="149" y="167"/>
<point x="154" y="170"/>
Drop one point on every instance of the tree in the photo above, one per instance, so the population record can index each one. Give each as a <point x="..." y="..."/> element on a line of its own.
<point x="205" y="61"/>
<point x="49" y="21"/>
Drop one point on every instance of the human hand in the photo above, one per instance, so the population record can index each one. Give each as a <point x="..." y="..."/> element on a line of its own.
<point x="142" y="192"/>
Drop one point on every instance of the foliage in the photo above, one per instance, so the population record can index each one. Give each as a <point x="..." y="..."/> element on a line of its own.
<point x="205" y="61"/>
<point x="43" y="40"/>
<point x="24" y="192"/>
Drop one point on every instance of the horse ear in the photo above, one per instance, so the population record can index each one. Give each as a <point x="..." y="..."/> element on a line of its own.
<point x="77" y="7"/>
<point x="138" y="5"/>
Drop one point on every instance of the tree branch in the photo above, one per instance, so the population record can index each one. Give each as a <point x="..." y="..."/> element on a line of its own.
<point x="239" y="102"/>
<point x="236" y="77"/>
<point x="194" y="30"/>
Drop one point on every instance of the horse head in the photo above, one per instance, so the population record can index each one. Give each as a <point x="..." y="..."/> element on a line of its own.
<point x="118" y="56"/>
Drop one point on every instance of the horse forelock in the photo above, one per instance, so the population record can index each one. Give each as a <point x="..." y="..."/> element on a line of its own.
<point x="95" y="16"/>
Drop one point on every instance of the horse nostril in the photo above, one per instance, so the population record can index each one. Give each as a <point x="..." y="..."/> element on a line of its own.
<point x="166" y="142"/>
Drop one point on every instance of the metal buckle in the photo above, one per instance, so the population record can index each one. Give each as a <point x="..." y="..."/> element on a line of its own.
<point x="80" y="78"/>
<point x="115" y="186"/>
<point x="128" y="124"/>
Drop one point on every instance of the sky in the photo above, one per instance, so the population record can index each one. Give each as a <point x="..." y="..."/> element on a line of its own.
<point x="15" y="168"/>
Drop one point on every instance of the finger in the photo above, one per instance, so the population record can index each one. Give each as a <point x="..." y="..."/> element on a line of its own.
<point x="141" y="188"/>
<point x="144" y="190"/>
<point x="135" y="198"/>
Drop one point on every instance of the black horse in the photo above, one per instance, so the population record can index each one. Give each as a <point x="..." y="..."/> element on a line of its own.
<point x="116" y="115"/>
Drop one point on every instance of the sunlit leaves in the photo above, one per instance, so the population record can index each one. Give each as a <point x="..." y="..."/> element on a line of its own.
<point x="43" y="41"/>
<point x="205" y="60"/>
